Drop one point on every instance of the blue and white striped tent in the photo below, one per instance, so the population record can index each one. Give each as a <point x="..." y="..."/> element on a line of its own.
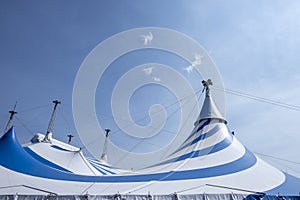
<point x="211" y="162"/>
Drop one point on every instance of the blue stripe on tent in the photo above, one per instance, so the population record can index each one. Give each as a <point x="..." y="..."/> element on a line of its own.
<point x="209" y="150"/>
<point x="98" y="169"/>
<point x="97" y="164"/>
<point x="245" y="162"/>
<point x="201" y="126"/>
<point x="289" y="186"/>
<point x="108" y="171"/>
<point x="206" y="135"/>
<point x="200" y="137"/>
<point x="100" y="163"/>
<point x="101" y="169"/>
<point x="60" y="148"/>
<point x="198" y="153"/>
<point x="44" y="161"/>
<point x="20" y="161"/>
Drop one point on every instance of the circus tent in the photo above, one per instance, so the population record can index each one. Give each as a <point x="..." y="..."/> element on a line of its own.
<point x="210" y="162"/>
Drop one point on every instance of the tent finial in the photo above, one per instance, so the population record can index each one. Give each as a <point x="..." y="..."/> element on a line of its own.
<point x="207" y="85"/>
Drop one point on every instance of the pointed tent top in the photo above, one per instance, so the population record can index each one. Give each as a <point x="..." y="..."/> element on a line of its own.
<point x="209" y="109"/>
<point x="10" y="133"/>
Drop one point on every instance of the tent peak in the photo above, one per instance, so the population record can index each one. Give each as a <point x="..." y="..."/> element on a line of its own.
<point x="209" y="109"/>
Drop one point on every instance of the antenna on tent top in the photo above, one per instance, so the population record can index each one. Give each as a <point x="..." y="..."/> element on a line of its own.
<point x="9" y="123"/>
<point x="207" y="85"/>
<point x="70" y="138"/>
<point x="48" y="136"/>
<point x="104" y="156"/>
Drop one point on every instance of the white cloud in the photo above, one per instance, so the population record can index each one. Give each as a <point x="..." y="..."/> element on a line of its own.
<point x="149" y="72"/>
<point x="155" y="78"/>
<point x="189" y="69"/>
<point x="197" y="62"/>
<point x="147" y="38"/>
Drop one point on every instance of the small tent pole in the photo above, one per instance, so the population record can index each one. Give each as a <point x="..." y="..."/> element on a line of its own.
<point x="104" y="156"/>
<point x="48" y="135"/>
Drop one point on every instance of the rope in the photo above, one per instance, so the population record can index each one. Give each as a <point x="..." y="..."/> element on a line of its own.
<point x="220" y="186"/>
<point x="25" y="127"/>
<point x="258" y="98"/>
<point x="191" y="188"/>
<point x="156" y="128"/>
<point x="75" y="140"/>
<point x="145" y="117"/>
<point x="34" y="108"/>
<point x="166" y="107"/>
<point x="30" y="187"/>
<point x="199" y="96"/>
<point x="113" y="132"/>
<point x="281" y="159"/>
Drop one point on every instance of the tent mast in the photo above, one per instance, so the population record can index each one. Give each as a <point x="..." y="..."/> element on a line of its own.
<point x="104" y="156"/>
<point x="70" y="138"/>
<point x="9" y="123"/>
<point x="48" y="136"/>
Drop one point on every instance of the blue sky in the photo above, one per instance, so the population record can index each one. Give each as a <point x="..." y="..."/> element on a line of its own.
<point x="254" y="44"/>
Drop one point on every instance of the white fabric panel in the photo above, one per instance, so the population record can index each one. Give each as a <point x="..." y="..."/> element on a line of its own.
<point x="263" y="175"/>
<point x="217" y="137"/>
<point x="70" y="160"/>
<point x="249" y="173"/>
<point x="235" y="151"/>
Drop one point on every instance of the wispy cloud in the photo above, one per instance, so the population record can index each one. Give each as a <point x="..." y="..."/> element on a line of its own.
<point x="189" y="69"/>
<point x="149" y="72"/>
<point x="156" y="78"/>
<point x="197" y="62"/>
<point x="147" y="39"/>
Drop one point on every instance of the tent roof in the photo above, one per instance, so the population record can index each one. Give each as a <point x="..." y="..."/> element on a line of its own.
<point x="210" y="160"/>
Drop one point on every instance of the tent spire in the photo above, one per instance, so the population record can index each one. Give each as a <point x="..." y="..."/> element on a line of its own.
<point x="9" y="123"/>
<point x="209" y="109"/>
<point x="48" y="136"/>
<point x="104" y="156"/>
